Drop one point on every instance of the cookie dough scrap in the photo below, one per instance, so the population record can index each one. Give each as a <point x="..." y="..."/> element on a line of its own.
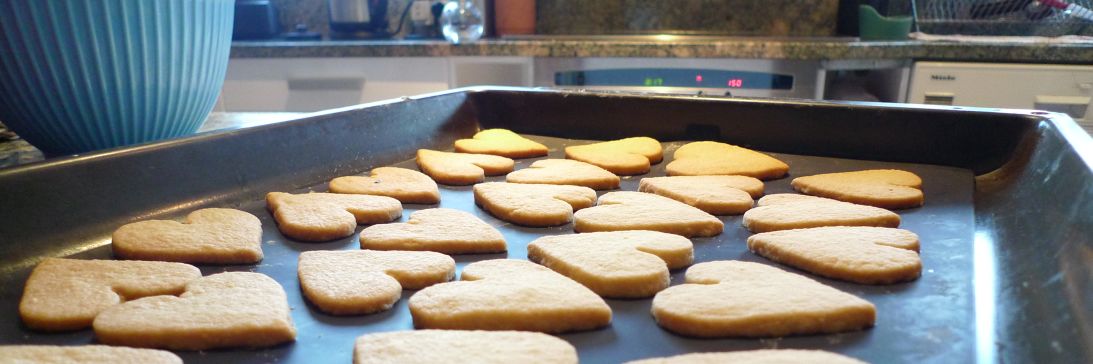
<point x="508" y="294"/>
<point x="714" y="158"/>
<point x="405" y="185"/>
<point x="867" y="255"/>
<point x="328" y="216"/>
<point x="743" y="299"/>
<point x="887" y="188"/>
<point x="233" y="309"/>
<point x="502" y="142"/>
<point x="440" y="230"/>
<point x="533" y="204"/>
<point x="628" y="210"/>
<point x="84" y="354"/>
<point x="618" y="264"/>
<point x="786" y="211"/>
<point x="766" y="356"/>
<point x="565" y="172"/>
<point x="717" y="195"/>
<point x="67" y="294"/>
<point x="214" y="236"/>
<point x="624" y="157"/>
<point x="367" y="281"/>
<point x="460" y="169"/>
<point x="462" y="346"/>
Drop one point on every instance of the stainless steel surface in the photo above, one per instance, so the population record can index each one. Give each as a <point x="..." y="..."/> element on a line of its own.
<point x="350" y="11"/>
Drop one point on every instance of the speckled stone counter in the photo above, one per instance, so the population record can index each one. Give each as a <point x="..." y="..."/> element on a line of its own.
<point x="744" y="47"/>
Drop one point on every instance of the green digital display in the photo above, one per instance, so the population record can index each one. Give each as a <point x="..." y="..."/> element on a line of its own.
<point x="654" y="81"/>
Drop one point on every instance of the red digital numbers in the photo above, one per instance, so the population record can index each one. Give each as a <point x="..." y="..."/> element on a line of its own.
<point x="735" y="83"/>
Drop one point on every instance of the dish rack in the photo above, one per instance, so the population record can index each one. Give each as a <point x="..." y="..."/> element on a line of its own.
<point x="1004" y="17"/>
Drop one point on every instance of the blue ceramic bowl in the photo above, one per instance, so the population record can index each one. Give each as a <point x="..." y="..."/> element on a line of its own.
<point x="80" y="75"/>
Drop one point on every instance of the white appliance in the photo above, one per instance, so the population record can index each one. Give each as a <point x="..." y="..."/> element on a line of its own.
<point x="1059" y="88"/>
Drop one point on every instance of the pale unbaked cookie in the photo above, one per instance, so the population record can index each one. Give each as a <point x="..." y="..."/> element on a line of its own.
<point x="713" y="158"/>
<point x="366" y="281"/>
<point x="507" y="294"/>
<point x="441" y="230"/>
<point x="233" y="309"/>
<point x="627" y="210"/>
<point x="767" y="356"/>
<point x="869" y="255"/>
<point x="328" y="216"/>
<point x="533" y="204"/>
<point x="217" y="236"/>
<point x="565" y="172"/>
<point x="618" y="264"/>
<point x="786" y="211"/>
<point x="67" y="294"/>
<point x="717" y="195"/>
<point x="624" y="157"/>
<point x="743" y="299"/>
<point x="405" y="185"/>
<point x="502" y="142"/>
<point x="460" y="169"/>
<point x="887" y="188"/>
<point x="84" y="354"/>
<point x="459" y="346"/>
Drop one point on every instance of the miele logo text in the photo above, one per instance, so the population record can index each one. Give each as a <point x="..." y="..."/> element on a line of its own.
<point x="943" y="77"/>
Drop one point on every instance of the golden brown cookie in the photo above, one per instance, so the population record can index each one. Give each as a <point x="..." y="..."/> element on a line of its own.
<point x="502" y="142"/>
<point x="565" y="172"/>
<point x="887" y="188"/>
<point x="618" y="264"/>
<point x="328" y="216"/>
<point x="533" y="204"/>
<point x="67" y="294"/>
<point x="405" y="185"/>
<point x="742" y="299"/>
<point x="459" y="346"/>
<point x="627" y="210"/>
<point x="461" y="169"/>
<point x="767" y="356"/>
<point x="233" y="309"/>
<point x="216" y="236"/>
<point x="623" y="157"/>
<point x="868" y="255"/>
<point x="713" y="158"/>
<point x="441" y="230"/>
<point x="507" y="294"/>
<point x="366" y="281"/>
<point x="786" y="211"/>
<point x="717" y="195"/>
<point x="84" y="354"/>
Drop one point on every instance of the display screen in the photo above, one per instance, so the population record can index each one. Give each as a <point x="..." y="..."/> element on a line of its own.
<point x="675" y="77"/>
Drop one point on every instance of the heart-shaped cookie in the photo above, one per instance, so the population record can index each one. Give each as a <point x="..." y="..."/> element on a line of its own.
<point x="786" y="211"/>
<point x="717" y="195"/>
<point x="216" y="236"/>
<point x="366" y="281"/>
<point x="618" y="264"/>
<point x="67" y="294"/>
<point x="623" y="157"/>
<point x="502" y="142"/>
<point x="462" y="346"/>
<point x="233" y="309"/>
<point x="565" y="172"/>
<point x="440" y="230"/>
<point x="508" y="294"/>
<point x="405" y="185"/>
<point x="533" y="204"/>
<point x="713" y="158"/>
<point x="766" y="356"/>
<point x="328" y="216"/>
<point x="887" y="188"/>
<point x="86" y="354"/>
<point x="869" y="255"/>
<point x="743" y="299"/>
<point x="627" y="210"/>
<point x="459" y="169"/>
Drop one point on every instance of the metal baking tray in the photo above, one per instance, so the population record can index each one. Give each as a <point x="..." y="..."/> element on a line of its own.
<point x="1007" y="229"/>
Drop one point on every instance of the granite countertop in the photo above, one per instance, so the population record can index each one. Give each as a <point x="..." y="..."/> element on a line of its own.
<point x="681" y="47"/>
